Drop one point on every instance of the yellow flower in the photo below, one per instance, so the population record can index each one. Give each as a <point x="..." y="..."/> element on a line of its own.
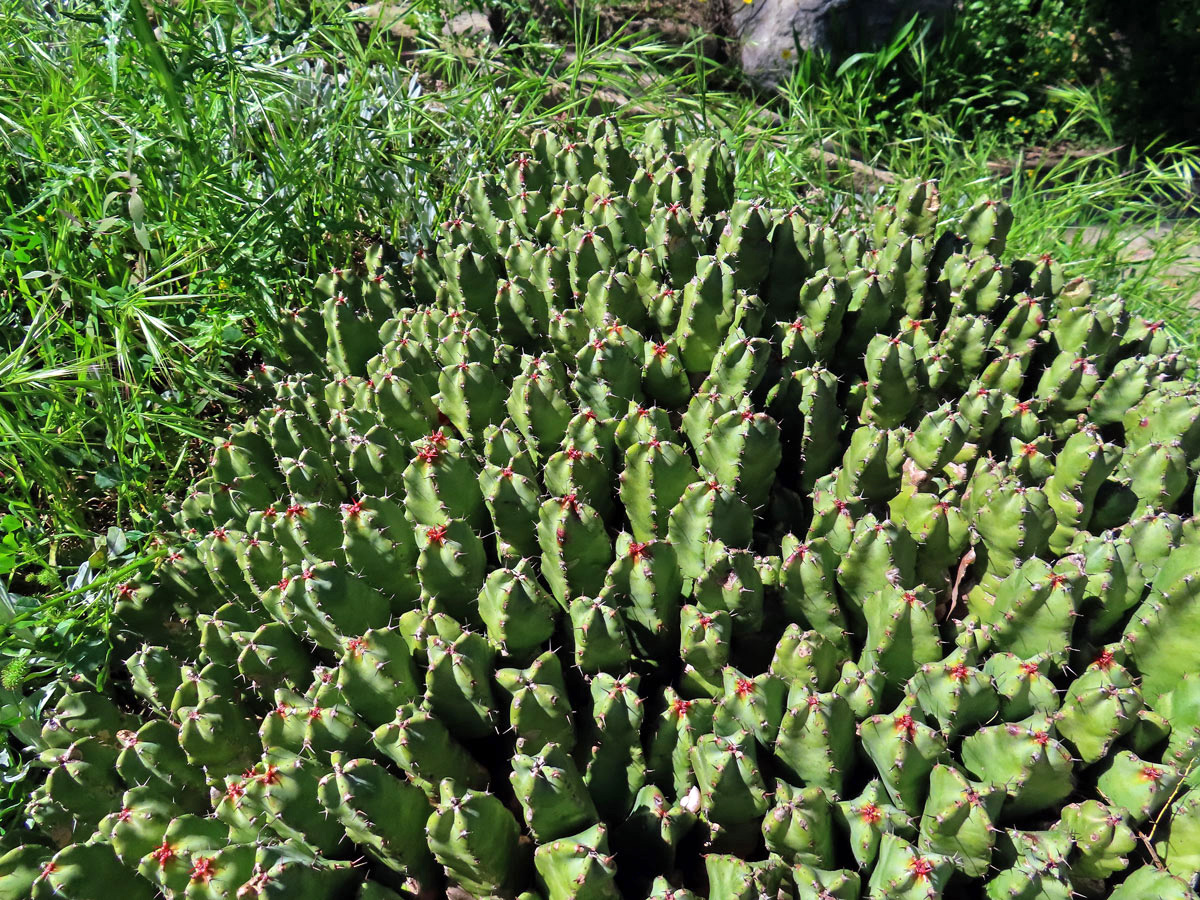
<point x="41" y="218"/>
<point x="222" y="284"/>
<point x="786" y="54"/>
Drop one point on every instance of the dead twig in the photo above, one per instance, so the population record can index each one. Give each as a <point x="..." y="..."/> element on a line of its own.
<point x="1041" y="159"/>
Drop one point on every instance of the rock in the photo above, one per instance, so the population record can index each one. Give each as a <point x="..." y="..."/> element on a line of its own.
<point x="386" y="16"/>
<point x="470" y="23"/>
<point x="769" y="31"/>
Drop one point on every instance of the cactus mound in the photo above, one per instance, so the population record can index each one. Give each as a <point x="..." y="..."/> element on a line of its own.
<point x="636" y="542"/>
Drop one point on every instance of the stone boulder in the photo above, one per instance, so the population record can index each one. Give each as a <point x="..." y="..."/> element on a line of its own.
<point x="769" y="32"/>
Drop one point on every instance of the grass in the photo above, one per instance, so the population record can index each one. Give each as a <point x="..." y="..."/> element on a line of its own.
<point x="176" y="174"/>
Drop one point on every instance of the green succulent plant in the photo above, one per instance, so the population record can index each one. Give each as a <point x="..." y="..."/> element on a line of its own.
<point x="634" y="541"/>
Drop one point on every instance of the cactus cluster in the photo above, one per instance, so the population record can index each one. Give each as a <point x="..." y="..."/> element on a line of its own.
<point x="637" y="542"/>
